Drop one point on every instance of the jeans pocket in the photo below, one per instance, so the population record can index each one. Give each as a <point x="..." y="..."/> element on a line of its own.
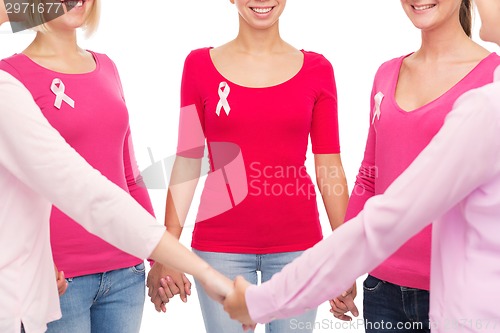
<point x="371" y="283"/>
<point x="139" y="269"/>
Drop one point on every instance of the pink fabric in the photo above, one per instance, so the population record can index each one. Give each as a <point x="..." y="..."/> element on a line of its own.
<point x="395" y="139"/>
<point x="271" y="126"/>
<point x="461" y="170"/>
<point x="38" y="167"/>
<point x="98" y="129"/>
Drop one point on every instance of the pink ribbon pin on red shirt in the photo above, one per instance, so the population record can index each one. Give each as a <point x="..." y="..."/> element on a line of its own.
<point x="223" y="94"/>
<point x="58" y="88"/>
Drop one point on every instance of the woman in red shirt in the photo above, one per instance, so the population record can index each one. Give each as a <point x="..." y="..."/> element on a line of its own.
<point x="255" y="100"/>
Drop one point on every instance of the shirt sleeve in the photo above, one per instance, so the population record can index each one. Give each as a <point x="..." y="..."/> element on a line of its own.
<point x="364" y="186"/>
<point x="36" y="154"/>
<point x="325" y="124"/>
<point x="468" y="156"/>
<point x="191" y="137"/>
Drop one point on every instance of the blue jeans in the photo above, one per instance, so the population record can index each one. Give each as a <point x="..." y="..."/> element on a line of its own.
<point x="391" y="308"/>
<point x="247" y="265"/>
<point x="110" y="302"/>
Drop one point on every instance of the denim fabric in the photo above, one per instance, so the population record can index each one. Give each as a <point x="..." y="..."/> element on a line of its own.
<point x="247" y="265"/>
<point x="110" y="302"/>
<point x="391" y="308"/>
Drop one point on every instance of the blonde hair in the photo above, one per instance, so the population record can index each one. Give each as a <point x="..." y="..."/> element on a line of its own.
<point x="38" y="20"/>
<point x="92" y="23"/>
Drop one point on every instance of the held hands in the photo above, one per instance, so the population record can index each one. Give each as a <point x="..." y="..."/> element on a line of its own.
<point x="235" y="304"/>
<point x="216" y="285"/>
<point x="345" y="303"/>
<point x="164" y="283"/>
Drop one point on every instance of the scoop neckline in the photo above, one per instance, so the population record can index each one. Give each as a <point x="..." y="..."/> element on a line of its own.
<point x="94" y="71"/>
<point x="437" y="99"/>
<point x="292" y="78"/>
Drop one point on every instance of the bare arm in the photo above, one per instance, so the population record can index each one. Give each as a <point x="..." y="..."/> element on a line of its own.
<point x="332" y="185"/>
<point x="164" y="282"/>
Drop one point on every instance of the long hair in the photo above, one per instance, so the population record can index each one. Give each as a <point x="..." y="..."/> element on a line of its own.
<point x="466" y="16"/>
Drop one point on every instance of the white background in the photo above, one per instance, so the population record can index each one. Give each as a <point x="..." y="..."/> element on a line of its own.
<point x="149" y="41"/>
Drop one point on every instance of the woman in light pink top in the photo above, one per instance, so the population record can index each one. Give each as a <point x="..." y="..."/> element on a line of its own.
<point x="411" y="96"/>
<point x="461" y="170"/>
<point x="38" y="168"/>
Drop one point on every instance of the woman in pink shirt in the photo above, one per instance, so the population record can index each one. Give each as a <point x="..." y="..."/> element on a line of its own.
<point x="460" y="168"/>
<point x="80" y="94"/>
<point x="39" y="168"/>
<point x="255" y="100"/>
<point x="410" y="98"/>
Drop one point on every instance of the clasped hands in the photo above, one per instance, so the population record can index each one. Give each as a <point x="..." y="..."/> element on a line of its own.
<point x="164" y="283"/>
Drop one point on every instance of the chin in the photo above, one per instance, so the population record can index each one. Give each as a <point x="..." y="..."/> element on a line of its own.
<point x="490" y="35"/>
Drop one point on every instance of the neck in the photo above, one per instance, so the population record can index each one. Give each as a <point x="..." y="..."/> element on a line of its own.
<point x="443" y="42"/>
<point x="58" y="43"/>
<point x="256" y="41"/>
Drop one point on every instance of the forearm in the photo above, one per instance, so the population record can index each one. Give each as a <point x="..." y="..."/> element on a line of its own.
<point x="332" y="185"/>
<point x="170" y="252"/>
<point x="185" y="176"/>
<point x="335" y="202"/>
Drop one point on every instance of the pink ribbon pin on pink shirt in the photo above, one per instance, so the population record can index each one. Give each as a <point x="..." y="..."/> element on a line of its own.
<point x="378" y="101"/>
<point x="58" y="88"/>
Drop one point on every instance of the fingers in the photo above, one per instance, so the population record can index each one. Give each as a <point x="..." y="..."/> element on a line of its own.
<point x="177" y="284"/>
<point x="249" y="327"/>
<point x="62" y="284"/>
<point x="177" y="287"/>
<point x="343" y="304"/>
<point x="187" y="284"/>
<point x="164" y="292"/>
<point x="339" y="310"/>
<point x="235" y="303"/>
<point x="348" y="302"/>
<point x="170" y="286"/>
<point x="160" y="300"/>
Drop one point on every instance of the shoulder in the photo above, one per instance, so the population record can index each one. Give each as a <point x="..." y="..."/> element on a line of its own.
<point x="316" y="60"/>
<point x="198" y="56"/>
<point x="14" y="64"/>
<point x="488" y="93"/>
<point x="317" y="66"/>
<point x="15" y="60"/>
<point x="390" y="66"/>
<point x="482" y="101"/>
<point x="102" y="59"/>
<point x="494" y="58"/>
<point x="490" y="63"/>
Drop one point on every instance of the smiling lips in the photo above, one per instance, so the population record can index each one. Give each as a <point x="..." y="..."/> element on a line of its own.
<point x="422" y="7"/>
<point x="262" y="10"/>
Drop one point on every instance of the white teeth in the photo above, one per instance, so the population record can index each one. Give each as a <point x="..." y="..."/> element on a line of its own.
<point x="79" y="4"/>
<point x="262" y="10"/>
<point x="423" y="7"/>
